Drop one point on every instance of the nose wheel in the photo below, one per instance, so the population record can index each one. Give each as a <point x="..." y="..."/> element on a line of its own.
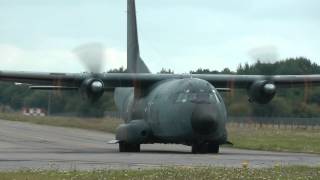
<point x="126" y="147"/>
<point x="205" y="148"/>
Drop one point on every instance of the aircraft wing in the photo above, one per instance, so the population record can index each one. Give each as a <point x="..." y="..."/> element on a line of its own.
<point x="113" y="80"/>
<point x="244" y="81"/>
<point x="37" y="78"/>
<point x="219" y="81"/>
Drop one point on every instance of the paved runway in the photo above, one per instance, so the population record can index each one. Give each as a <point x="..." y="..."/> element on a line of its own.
<point x="24" y="145"/>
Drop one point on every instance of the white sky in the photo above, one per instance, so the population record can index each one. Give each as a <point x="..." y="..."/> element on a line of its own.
<point x="182" y="35"/>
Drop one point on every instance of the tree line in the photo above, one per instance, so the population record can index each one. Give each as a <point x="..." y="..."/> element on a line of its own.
<point x="291" y="102"/>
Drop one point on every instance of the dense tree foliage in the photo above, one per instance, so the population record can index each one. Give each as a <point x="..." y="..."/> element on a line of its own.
<point x="55" y="102"/>
<point x="295" y="102"/>
<point x="166" y="71"/>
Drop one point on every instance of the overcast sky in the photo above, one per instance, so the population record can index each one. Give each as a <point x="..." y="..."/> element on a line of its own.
<point x="183" y="35"/>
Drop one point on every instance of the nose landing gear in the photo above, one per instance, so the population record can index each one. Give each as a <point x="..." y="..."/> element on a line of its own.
<point x="205" y="148"/>
<point x="125" y="147"/>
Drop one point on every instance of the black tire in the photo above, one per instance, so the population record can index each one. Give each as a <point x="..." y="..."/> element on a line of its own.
<point x="125" y="147"/>
<point x="213" y="148"/>
<point x="200" y="148"/>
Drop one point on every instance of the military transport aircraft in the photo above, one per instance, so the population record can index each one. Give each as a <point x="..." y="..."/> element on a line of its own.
<point x="163" y="108"/>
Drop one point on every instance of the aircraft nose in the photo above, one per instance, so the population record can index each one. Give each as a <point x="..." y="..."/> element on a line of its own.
<point x="203" y="119"/>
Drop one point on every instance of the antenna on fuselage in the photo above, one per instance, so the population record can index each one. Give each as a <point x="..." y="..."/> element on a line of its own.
<point x="134" y="62"/>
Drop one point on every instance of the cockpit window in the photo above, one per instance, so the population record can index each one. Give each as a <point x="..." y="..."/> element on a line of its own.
<point x="199" y="97"/>
<point x="182" y="98"/>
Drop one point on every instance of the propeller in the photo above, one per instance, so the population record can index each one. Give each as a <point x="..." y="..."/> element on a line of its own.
<point x="92" y="56"/>
<point x="265" y="54"/>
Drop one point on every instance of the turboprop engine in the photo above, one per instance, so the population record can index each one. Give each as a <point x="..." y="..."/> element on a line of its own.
<point x="92" y="89"/>
<point x="92" y="57"/>
<point x="261" y="92"/>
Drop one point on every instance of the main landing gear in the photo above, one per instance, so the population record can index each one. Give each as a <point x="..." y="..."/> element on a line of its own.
<point x="197" y="148"/>
<point x="205" y="148"/>
<point x="126" y="147"/>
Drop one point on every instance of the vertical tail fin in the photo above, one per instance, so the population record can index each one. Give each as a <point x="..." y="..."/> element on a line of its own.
<point x="134" y="62"/>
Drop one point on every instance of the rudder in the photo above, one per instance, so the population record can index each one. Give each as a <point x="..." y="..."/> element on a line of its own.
<point x="134" y="62"/>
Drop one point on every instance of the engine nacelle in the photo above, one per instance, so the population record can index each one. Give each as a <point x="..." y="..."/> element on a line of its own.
<point x="135" y="132"/>
<point x="262" y="92"/>
<point x="92" y="88"/>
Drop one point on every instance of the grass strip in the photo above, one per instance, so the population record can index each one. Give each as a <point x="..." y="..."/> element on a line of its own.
<point x="176" y="173"/>
<point x="102" y="124"/>
<point x="273" y="139"/>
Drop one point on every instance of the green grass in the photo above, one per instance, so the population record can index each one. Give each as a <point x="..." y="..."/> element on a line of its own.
<point x="176" y="173"/>
<point x="102" y="124"/>
<point x="269" y="138"/>
<point x="248" y="137"/>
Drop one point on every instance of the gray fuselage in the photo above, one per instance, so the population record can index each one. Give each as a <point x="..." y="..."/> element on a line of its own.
<point x="183" y="111"/>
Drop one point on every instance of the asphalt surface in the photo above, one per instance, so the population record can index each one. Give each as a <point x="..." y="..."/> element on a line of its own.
<point x="29" y="146"/>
